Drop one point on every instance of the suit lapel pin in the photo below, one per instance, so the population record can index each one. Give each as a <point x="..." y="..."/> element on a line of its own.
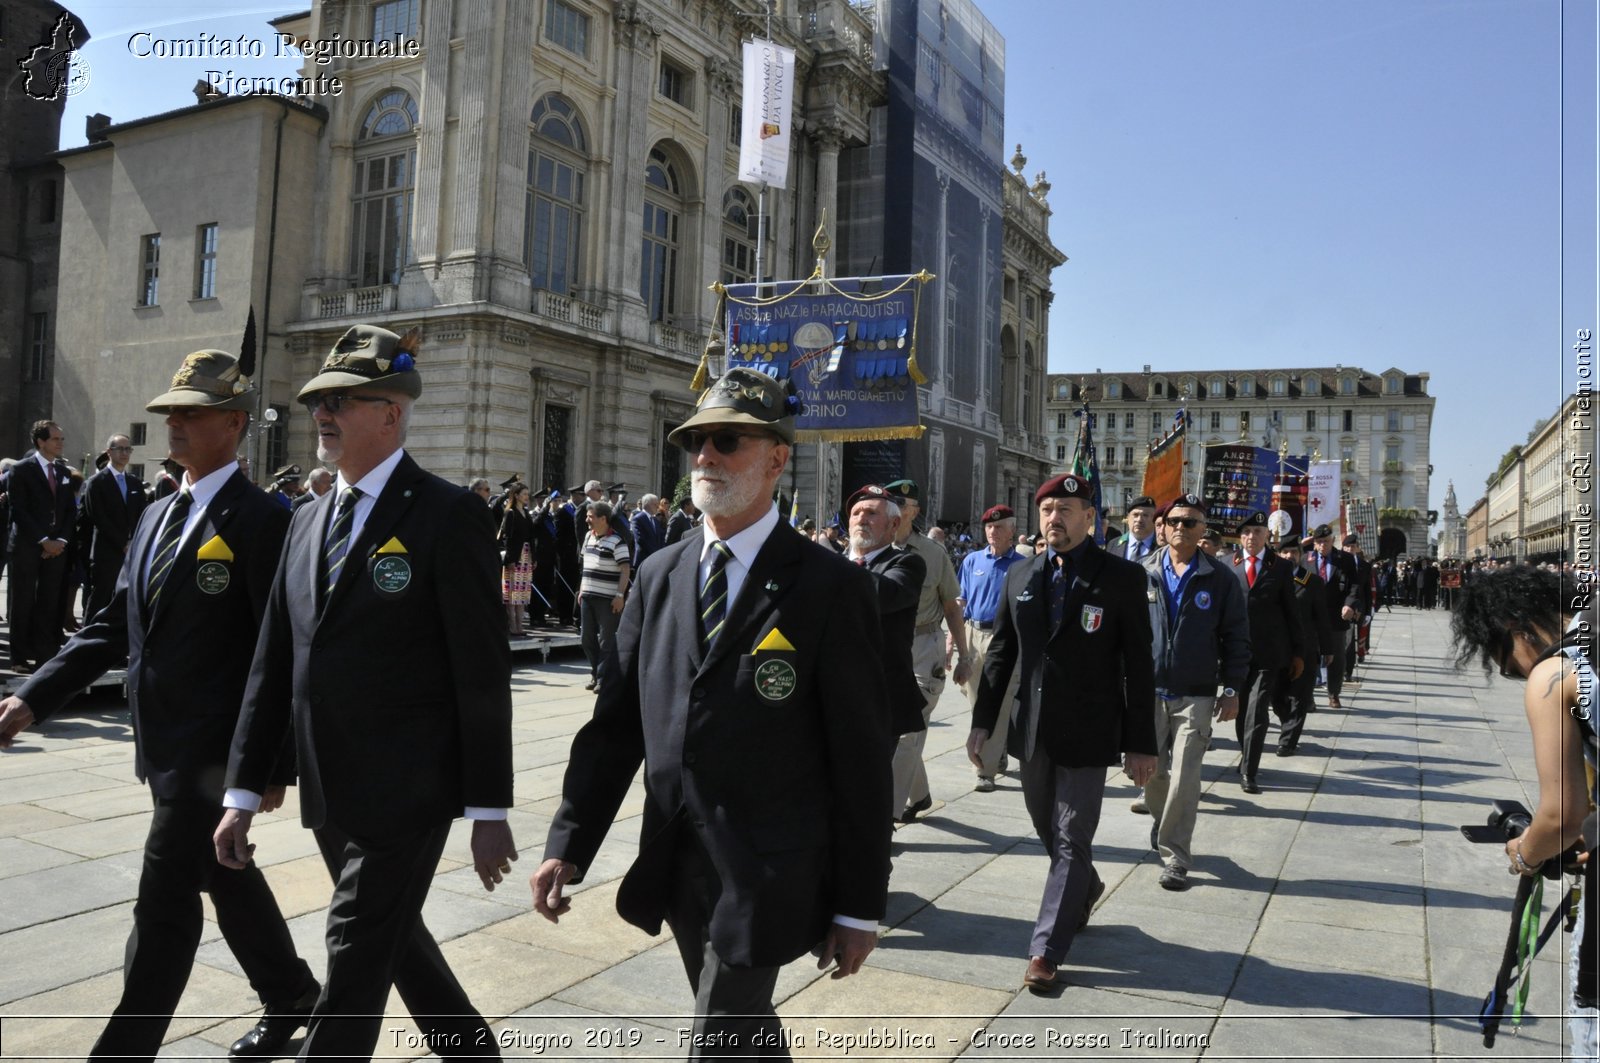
<point x="406" y="493"/>
<point x="772" y="586"/>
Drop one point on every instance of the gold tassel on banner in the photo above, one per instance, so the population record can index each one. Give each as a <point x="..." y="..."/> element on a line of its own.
<point x="714" y="340"/>
<point x="859" y="435"/>
<point x="917" y="376"/>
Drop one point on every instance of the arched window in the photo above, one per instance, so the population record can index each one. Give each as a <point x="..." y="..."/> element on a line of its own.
<point x="663" y="217"/>
<point x="1029" y="370"/>
<point x="738" y="253"/>
<point x="1312" y="387"/>
<point x="385" y="178"/>
<point x="553" y="222"/>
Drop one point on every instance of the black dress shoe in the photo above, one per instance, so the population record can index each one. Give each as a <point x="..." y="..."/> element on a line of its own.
<point x="1286" y="750"/>
<point x="1248" y="785"/>
<point x="1095" y="893"/>
<point x="269" y="1038"/>
<point x="915" y="808"/>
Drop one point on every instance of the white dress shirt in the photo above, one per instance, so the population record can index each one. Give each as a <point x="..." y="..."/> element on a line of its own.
<point x="202" y="493"/>
<point x="49" y="468"/>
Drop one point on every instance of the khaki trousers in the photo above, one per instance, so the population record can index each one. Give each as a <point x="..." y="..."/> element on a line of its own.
<point x="1183" y="728"/>
<point x="910" y="777"/>
<point x="994" y="750"/>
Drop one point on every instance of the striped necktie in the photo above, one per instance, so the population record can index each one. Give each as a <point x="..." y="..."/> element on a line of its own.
<point x="714" y="595"/>
<point x="339" y="537"/>
<point x="167" y="547"/>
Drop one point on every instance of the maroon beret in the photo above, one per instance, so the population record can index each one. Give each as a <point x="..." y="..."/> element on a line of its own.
<point x="1067" y="485"/>
<point x="869" y="492"/>
<point x="994" y="513"/>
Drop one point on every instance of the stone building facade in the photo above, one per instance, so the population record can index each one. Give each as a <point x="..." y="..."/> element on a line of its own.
<point x="1377" y="424"/>
<point x="1533" y="510"/>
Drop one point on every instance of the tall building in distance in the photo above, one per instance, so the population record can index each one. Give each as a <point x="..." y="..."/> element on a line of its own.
<point x="553" y="225"/>
<point x="1377" y="425"/>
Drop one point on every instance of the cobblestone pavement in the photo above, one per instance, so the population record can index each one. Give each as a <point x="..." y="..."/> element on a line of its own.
<point x="1340" y="914"/>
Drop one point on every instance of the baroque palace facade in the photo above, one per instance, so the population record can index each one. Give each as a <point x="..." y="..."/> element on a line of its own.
<point x="547" y="189"/>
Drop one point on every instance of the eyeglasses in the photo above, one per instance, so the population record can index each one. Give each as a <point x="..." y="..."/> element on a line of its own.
<point x="336" y="401"/>
<point x="726" y="440"/>
<point x="121" y="450"/>
<point x="1184" y="522"/>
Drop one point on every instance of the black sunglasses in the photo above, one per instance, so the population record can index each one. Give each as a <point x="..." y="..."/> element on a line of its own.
<point x="726" y="440"/>
<point x="1184" y="522"/>
<point x="337" y="401"/>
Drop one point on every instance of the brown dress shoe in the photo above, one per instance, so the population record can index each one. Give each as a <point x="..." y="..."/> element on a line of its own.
<point x="1333" y="702"/>
<point x="1041" y="975"/>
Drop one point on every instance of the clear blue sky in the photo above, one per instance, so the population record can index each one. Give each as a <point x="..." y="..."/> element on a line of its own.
<point x="1248" y="183"/>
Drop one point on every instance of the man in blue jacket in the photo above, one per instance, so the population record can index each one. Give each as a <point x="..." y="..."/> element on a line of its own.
<point x="1201" y="640"/>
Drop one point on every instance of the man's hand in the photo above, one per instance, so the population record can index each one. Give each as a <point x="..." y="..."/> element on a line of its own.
<point x="492" y="850"/>
<point x="963" y="671"/>
<point x="1140" y="766"/>
<point x="232" y="839"/>
<point x="1227" y="708"/>
<point x="1348" y="613"/>
<point x="272" y="800"/>
<point x="847" y="945"/>
<point x="975" y="740"/>
<point x="14" y="716"/>
<point x="1327" y="660"/>
<point x="618" y="602"/>
<point x="1297" y="667"/>
<point x="51" y="548"/>
<point x="547" y="882"/>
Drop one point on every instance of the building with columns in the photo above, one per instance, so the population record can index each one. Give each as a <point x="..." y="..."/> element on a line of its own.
<point x="547" y="189"/>
<point x="1377" y="424"/>
<point x="1535" y="506"/>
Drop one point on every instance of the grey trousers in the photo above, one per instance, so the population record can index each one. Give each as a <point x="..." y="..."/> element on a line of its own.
<point x="1064" y="804"/>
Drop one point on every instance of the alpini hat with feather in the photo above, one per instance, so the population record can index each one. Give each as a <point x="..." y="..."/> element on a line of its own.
<point x="370" y="358"/>
<point x="213" y="380"/>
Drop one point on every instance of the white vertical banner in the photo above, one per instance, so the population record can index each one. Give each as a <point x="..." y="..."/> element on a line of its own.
<point x="768" y="113"/>
<point x="1362" y="519"/>
<point x="1322" y="496"/>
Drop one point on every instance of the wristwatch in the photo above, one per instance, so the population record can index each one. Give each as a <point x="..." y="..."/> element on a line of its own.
<point x="1229" y="692"/>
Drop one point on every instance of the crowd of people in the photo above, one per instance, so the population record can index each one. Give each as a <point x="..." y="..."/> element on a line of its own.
<point x="791" y="680"/>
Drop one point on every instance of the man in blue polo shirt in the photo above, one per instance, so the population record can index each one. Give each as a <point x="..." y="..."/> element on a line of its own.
<point x="983" y="579"/>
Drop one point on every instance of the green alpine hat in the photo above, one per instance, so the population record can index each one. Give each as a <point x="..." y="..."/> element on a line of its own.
<point x="370" y="358"/>
<point x="208" y="380"/>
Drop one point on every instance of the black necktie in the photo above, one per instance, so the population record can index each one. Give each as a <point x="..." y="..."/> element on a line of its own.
<point x="167" y="547"/>
<point x="339" y="537"/>
<point x="1058" y="591"/>
<point x="714" y="595"/>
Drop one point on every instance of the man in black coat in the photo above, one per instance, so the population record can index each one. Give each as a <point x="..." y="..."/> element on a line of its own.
<point x="681" y="521"/>
<point x="383" y="655"/>
<point x="1356" y="649"/>
<point x="43" y="512"/>
<point x="112" y="502"/>
<point x="1277" y="643"/>
<point x="1337" y="571"/>
<point x="1076" y="620"/>
<point x="1296" y="699"/>
<point x="184" y="613"/>
<point x="898" y="575"/>
<point x="749" y="682"/>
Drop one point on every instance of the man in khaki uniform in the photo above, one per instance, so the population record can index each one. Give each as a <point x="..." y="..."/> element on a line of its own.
<point x="940" y="604"/>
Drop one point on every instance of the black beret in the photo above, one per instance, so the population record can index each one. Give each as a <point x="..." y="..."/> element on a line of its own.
<point x="905" y="489"/>
<point x="1322" y="531"/>
<point x="1188" y="499"/>
<point x="1257" y="519"/>
<point x="1352" y="539"/>
<point x="1066" y="485"/>
<point x="1142" y="502"/>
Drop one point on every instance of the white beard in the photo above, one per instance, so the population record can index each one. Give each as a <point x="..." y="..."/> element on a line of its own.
<point x="725" y="499"/>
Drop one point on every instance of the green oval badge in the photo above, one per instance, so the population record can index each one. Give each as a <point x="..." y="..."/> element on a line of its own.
<point x="775" y="680"/>
<point x="212" y="577"/>
<point x="391" y="573"/>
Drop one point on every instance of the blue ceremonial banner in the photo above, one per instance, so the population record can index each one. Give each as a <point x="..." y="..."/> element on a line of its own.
<point x="849" y="345"/>
<point x="1238" y="481"/>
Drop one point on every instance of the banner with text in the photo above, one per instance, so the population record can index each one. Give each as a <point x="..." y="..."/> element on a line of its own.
<point x="851" y="353"/>
<point x="1322" y="499"/>
<point x="768" y="109"/>
<point x="1238" y="481"/>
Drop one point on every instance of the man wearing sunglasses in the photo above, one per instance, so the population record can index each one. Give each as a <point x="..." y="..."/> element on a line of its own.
<point x="748" y="679"/>
<point x="113" y="499"/>
<point x="1202" y="641"/>
<point x="383" y="655"/>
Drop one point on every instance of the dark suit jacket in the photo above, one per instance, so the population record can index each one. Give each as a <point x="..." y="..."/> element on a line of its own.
<point x="648" y="536"/>
<point x="677" y="524"/>
<point x="899" y="574"/>
<point x="1363" y="576"/>
<point x="1085" y="696"/>
<point x="778" y="760"/>
<point x="1276" y="634"/>
<point x="1309" y="600"/>
<point x="111" y="516"/>
<point x="34" y="512"/>
<point x="398" y="688"/>
<point x="1118" y="547"/>
<point x="1342" y="587"/>
<point x="188" y="661"/>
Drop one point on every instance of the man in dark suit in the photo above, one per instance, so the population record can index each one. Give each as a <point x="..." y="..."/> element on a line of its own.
<point x="750" y="684"/>
<point x="681" y="521"/>
<point x="898" y="575"/>
<point x="1296" y="698"/>
<point x="184" y="613"/>
<point x="1337" y="571"/>
<point x="383" y="654"/>
<point x="648" y="535"/>
<point x="42" y="513"/>
<point x="112" y="502"/>
<point x="1356" y="648"/>
<point x="1277" y="643"/>
<point x="1076" y="620"/>
<point x="1139" y="541"/>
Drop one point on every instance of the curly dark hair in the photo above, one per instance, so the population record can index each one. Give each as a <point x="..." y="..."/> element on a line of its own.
<point x="1495" y="606"/>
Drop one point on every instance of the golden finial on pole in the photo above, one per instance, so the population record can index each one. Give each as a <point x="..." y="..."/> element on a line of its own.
<point x="822" y="245"/>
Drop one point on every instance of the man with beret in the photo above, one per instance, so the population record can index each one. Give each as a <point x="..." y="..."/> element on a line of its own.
<point x="983" y="579"/>
<point x="1139" y="541"/>
<point x="1277" y="642"/>
<point x="1211" y="541"/>
<point x="1356" y="649"/>
<point x="43" y="511"/>
<point x="113" y="499"/>
<point x="1075" y="621"/>
<point x="383" y="657"/>
<point x="749" y="682"/>
<point x="1202" y="642"/>
<point x="898" y="576"/>
<point x="184" y="614"/>
<point x="1296" y="698"/>
<point x="1337" y="571"/>
<point x="939" y="604"/>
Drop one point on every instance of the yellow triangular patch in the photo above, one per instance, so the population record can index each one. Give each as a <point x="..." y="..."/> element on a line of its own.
<point x="215" y="550"/>
<point x="393" y="546"/>
<point x="775" y="641"/>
